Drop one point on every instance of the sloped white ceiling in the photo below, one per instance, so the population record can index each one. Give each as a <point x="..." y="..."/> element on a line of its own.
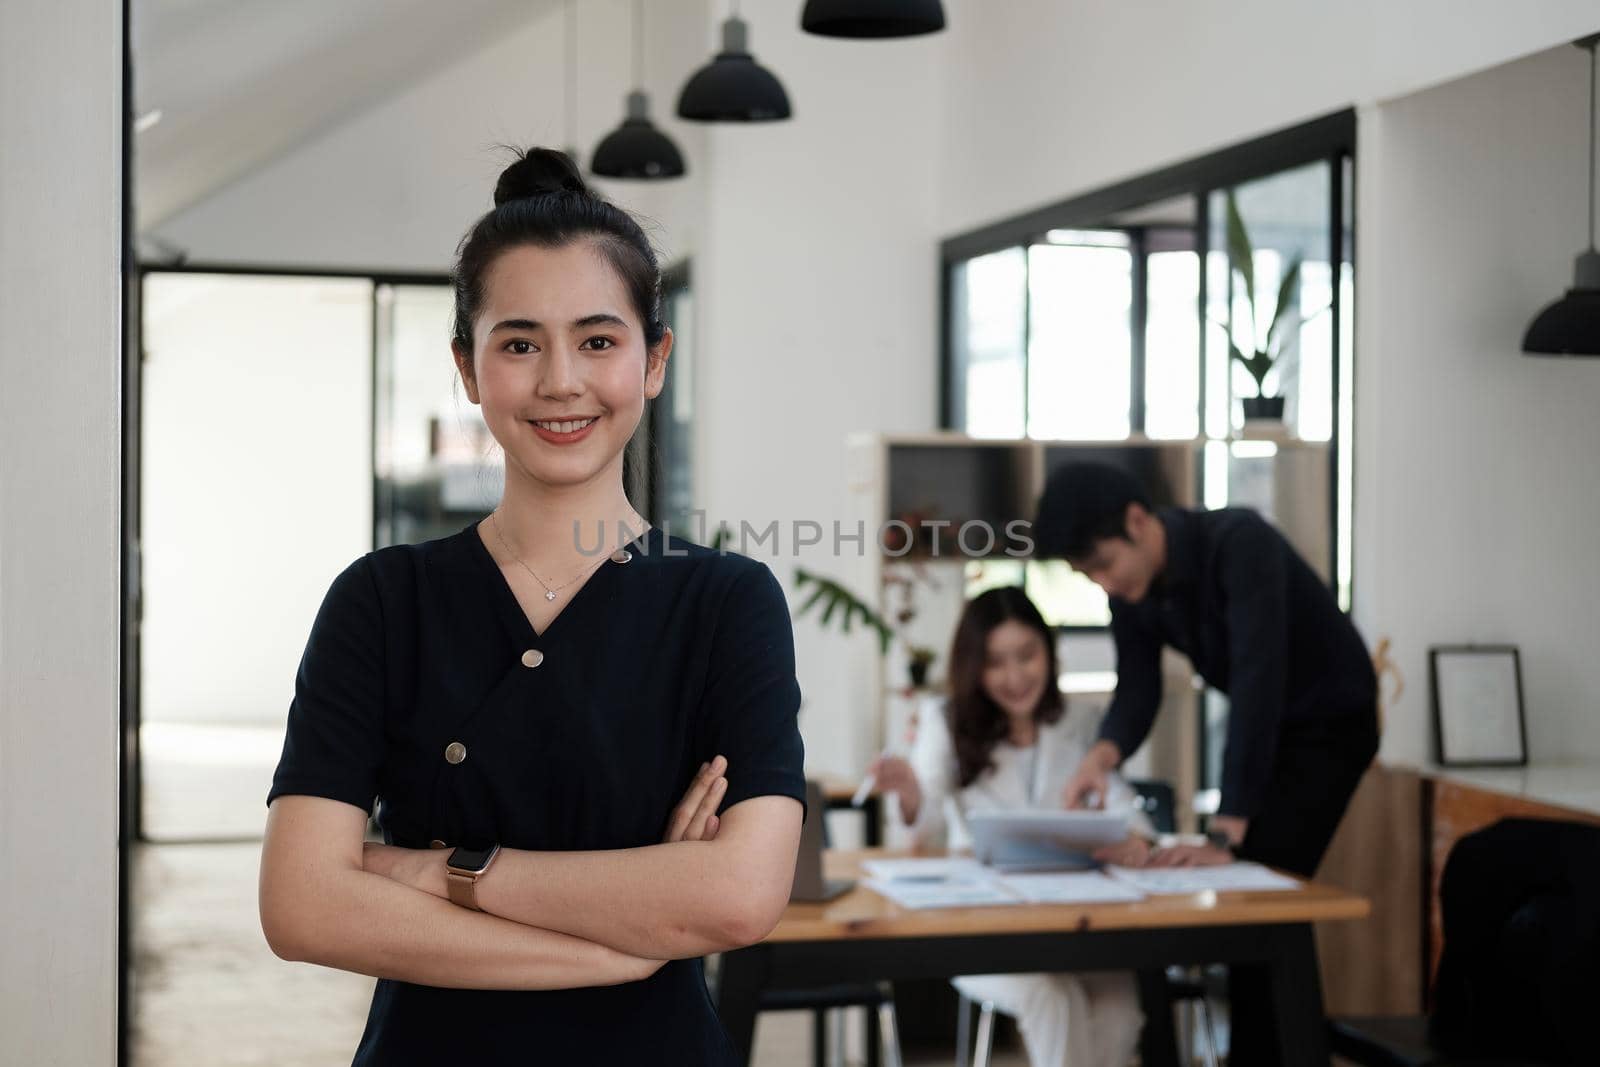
<point x="239" y="82"/>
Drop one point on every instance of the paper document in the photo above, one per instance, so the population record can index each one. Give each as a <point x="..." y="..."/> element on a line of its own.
<point x="1220" y="879"/>
<point x="1075" y="887"/>
<point x="924" y="868"/>
<point x="951" y="893"/>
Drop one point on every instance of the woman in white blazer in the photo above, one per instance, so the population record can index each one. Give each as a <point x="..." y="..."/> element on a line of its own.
<point x="1008" y="741"/>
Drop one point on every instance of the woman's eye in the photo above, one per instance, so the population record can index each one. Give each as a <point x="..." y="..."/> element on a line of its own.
<point x="604" y="342"/>
<point x="521" y="348"/>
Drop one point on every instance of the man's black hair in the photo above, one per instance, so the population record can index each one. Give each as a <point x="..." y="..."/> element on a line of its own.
<point x="1084" y="503"/>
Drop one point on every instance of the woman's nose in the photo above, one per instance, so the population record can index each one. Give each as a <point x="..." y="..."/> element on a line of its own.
<point x="559" y="378"/>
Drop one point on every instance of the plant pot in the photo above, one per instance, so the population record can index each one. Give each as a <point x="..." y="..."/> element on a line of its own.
<point x="1263" y="407"/>
<point x="918" y="669"/>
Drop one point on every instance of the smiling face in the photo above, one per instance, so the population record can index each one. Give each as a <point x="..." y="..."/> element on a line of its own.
<point x="1016" y="668"/>
<point x="1127" y="567"/>
<point x="559" y="362"/>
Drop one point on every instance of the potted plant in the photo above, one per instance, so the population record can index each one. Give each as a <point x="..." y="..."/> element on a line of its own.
<point x="922" y="658"/>
<point x="1266" y="350"/>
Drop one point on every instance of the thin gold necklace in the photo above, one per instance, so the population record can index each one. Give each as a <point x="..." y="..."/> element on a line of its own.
<point x="549" y="592"/>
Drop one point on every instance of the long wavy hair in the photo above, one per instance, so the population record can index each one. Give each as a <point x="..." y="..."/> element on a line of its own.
<point x="976" y="722"/>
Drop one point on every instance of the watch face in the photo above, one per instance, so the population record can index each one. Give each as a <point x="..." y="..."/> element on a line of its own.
<point x="473" y="860"/>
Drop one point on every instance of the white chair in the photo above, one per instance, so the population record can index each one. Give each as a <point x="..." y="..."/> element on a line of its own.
<point x="967" y="1056"/>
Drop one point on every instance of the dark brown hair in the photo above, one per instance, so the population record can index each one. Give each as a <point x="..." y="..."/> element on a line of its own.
<point x="542" y="200"/>
<point x="976" y="722"/>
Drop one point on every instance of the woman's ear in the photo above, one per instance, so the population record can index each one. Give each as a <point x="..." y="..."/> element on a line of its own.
<point x="655" y="367"/>
<point x="469" y="378"/>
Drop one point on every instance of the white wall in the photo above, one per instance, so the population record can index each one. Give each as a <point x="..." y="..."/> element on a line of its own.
<point x="817" y="320"/>
<point x="399" y="184"/>
<point x="1041" y="99"/>
<point x="60" y="437"/>
<point x="1477" y="488"/>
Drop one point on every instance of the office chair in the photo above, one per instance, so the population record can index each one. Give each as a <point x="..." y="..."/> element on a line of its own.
<point x="1520" y="969"/>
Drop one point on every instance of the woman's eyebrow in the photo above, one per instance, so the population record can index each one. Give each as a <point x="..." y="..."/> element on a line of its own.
<point x="599" y="318"/>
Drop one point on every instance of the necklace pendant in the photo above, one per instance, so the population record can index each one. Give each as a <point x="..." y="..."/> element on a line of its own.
<point x="549" y="595"/>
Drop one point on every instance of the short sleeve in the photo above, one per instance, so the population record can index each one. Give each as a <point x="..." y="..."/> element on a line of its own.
<point x="333" y="746"/>
<point x="751" y="704"/>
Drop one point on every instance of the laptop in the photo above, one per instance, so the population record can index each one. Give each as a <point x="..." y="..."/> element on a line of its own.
<point x="809" y="885"/>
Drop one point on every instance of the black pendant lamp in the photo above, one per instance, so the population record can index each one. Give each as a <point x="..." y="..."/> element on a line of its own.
<point x="1571" y="326"/>
<point x="733" y="87"/>
<point x="872" y="18"/>
<point x="636" y="149"/>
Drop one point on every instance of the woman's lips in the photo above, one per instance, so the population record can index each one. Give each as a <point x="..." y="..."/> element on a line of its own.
<point x="556" y="438"/>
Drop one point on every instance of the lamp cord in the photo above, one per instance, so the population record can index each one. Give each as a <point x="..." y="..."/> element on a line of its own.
<point x="1592" y="78"/>
<point x="638" y="45"/>
<point x="571" y="71"/>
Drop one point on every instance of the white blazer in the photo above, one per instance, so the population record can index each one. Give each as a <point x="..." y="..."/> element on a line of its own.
<point x="1032" y="777"/>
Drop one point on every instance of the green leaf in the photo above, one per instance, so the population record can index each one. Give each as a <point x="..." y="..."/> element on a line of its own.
<point x="815" y="596"/>
<point x="1257" y="364"/>
<point x="827" y="612"/>
<point x="1286" y="291"/>
<point x="841" y="601"/>
<point x="1242" y="254"/>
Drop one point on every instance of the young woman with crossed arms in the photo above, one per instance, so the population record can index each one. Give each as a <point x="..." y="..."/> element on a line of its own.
<point x="579" y="730"/>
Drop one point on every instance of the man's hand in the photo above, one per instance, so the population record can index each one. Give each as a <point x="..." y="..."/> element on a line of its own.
<point x="1232" y="825"/>
<point x="695" y="817"/>
<point x="1087" y="787"/>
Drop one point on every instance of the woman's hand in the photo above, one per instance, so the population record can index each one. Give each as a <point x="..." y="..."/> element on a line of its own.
<point x="419" y="868"/>
<point x="695" y="817"/>
<point x="891" y="774"/>
<point x="1134" y="852"/>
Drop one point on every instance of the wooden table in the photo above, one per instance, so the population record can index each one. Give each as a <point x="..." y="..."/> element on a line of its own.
<point x="861" y="936"/>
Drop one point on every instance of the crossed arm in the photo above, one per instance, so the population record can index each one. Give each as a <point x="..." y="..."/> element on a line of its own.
<point x="550" y="920"/>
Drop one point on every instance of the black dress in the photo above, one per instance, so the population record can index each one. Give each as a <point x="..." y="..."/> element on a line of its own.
<point x="582" y="737"/>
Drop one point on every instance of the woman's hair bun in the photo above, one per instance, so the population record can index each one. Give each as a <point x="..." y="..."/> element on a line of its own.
<point x="537" y="172"/>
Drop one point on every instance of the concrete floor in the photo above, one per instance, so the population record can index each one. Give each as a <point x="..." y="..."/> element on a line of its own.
<point x="207" y="990"/>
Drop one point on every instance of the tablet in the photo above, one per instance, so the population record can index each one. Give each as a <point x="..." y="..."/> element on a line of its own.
<point x="1028" y="840"/>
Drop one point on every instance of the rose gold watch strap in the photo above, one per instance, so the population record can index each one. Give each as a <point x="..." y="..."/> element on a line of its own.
<point x="463" y="890"/>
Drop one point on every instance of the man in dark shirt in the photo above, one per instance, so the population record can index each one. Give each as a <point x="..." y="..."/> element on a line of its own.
<point x="1226" y="589"/>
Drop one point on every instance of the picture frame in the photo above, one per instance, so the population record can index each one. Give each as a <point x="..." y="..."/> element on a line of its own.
<point x="1478" y="716"/>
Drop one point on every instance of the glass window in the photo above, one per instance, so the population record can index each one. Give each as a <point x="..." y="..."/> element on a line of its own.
<point x="1063" y="596"/>
<point x="1171" y="340"/>
<point x="1098" y="332"/>
<point x="1079" y="340"/>
<point x="989" y="342"/>
<point x="435" y="465"/>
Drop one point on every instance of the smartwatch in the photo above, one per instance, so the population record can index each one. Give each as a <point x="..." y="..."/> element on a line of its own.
<point x="462" y="871"/>
<point x="1222" y="841"/>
